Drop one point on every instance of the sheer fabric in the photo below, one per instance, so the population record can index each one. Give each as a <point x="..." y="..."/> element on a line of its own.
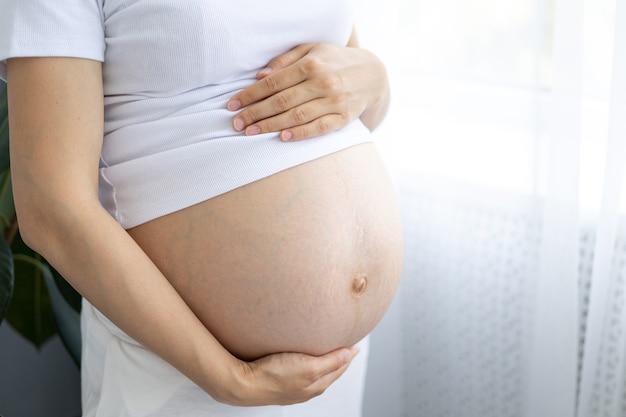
<point x="507" y="140"/>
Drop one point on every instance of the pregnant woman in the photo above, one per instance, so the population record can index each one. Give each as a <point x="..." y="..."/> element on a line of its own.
<point x="202" y="172"/>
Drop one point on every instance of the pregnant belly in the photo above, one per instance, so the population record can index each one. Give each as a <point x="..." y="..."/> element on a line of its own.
<point x="306" y="260"/>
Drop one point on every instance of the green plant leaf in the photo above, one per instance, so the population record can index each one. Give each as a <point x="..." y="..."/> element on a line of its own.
<point x="67" y="319"/>
<point x="19" y="247"/>
<point x="30" y="312"/>
<point x="7" y="207"/>
<point x="4" y="128"/>
<point x="6" y="277"/>
<point x="71" y="296"/>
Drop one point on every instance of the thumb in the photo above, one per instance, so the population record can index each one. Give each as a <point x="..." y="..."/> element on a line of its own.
<point x="284" y="60"/>
<point x="333" y="361"/>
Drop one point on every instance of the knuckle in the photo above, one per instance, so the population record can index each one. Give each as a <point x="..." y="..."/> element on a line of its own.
<point x="267" y="126"/>
<point x="280" y="61"/>
<point x="339" y="100"/>
<point x="271" y="83"/>
<point x="312" y="65"/>
<point x="304" y="132"/>
<point x="330" y="82"/>
<point x="250" y="115"/>
<point x="299" y="116"/>
<point x="314" y="376"/>
<point x="281" y="102"/>
<point x="322" y="126"/>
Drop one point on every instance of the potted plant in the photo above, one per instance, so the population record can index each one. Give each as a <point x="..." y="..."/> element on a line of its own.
<point x="34" y="299"/>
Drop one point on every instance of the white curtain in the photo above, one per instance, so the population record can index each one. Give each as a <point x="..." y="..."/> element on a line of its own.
<point x="507" y="142"/>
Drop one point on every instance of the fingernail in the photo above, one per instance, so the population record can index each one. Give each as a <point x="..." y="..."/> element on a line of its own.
<point x="238" y="124"/>
<point x="253" y="130"/>
<point x="264" y="72"/>
<point x="286" y="135"/>
<point x="233" y="105"/>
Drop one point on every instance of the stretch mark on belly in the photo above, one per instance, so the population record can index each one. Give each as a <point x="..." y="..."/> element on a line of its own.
<point x="359" y="285"/>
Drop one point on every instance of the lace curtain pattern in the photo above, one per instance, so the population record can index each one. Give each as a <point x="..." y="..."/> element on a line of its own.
<point x="507" y="142"/>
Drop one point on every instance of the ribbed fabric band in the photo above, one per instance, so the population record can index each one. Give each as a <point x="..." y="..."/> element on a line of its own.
<point x="169" y="68"/>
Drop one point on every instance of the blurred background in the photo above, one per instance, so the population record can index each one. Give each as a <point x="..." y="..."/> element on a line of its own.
<point x="506" y="140"/>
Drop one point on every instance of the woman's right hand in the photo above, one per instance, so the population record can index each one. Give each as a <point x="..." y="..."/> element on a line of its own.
<point x="287" y="378"/>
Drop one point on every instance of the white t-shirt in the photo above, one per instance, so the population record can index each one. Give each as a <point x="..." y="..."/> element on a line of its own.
<point x="169" y="67"/>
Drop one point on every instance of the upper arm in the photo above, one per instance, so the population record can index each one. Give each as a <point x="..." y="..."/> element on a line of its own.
<point x="56" y="122"/>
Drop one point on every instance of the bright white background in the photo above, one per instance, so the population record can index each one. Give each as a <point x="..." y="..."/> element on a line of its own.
<point x="507" y="143"/>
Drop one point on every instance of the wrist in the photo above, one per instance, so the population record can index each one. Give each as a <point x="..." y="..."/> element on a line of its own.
<point x="214" y="369"/>
<point x="236" y="389"/>
<point x="378" y="106"/>
<point x="378" y="92"/>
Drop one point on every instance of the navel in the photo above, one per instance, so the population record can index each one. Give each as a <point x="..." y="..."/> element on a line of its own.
<point x="359" y="284"/>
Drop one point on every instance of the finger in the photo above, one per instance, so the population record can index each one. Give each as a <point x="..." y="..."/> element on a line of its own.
<point x="328" y="368"/>
<point x="265" y="88"/>
<point x="284" y="60"/>
<point x="336" y="366"/>
<point x="276" y="105"/>
<point x="318" y="387"/>
<point x="290" y="378"/>
<point x="333" y="362"/>
<point x="318" y="127"/>
<point x="325" y="381"/>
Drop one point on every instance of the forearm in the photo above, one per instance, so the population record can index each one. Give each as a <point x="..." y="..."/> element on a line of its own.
<point x="56" y="135"/>
<point x="107" y="267"/>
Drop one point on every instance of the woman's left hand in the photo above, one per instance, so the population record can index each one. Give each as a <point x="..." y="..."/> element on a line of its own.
<point x="311" y="90"/>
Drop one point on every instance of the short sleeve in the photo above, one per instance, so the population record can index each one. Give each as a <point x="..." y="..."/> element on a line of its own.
<point x="37" y="28"/>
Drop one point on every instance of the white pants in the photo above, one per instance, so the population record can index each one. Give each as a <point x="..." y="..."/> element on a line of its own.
<point x="120" y="378"/>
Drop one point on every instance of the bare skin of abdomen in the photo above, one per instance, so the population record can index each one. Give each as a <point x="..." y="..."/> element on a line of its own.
<point x="306" y="260"/>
